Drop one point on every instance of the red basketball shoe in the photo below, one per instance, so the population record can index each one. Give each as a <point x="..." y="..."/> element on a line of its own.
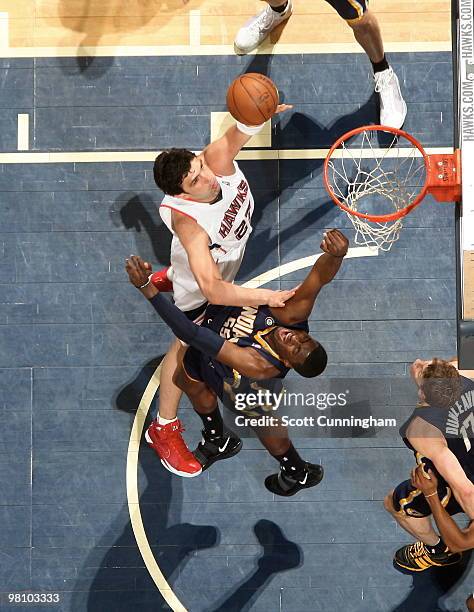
<point x="161" y="281"/>
<point x="168" y="443"/>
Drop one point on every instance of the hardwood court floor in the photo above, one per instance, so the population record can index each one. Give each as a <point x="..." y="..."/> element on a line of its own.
<point x="97" y="23"/>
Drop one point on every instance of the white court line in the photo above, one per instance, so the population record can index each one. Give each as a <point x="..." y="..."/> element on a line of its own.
<point x="181" y="50"/>
<point x="149" y="156"/>
<point x="133" y="497"/>
<point x="4" y="32"/>
<point x="195" y="28"/>
<point x="23" y="132"/>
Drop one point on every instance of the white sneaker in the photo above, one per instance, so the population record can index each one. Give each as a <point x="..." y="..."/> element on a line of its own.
<point x="259" y="27"/>
<point x="393" y="108"/>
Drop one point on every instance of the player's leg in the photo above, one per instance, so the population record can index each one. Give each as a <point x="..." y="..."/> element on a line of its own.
<point x="295" y="473"/>
<point x="366" y="31"/>
<point x="217" y="442"/>
<point x="164" y="433"/>
<point x="411" y="511"/>
<point x="259" y="27"/>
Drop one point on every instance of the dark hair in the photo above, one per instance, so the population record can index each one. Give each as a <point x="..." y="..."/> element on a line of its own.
<point x="170" y="168"/>
<point x="314" y="364"/>
<point x="441" y="384"/>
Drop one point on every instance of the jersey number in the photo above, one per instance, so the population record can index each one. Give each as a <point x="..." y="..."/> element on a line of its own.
<point x="468" y="422"/>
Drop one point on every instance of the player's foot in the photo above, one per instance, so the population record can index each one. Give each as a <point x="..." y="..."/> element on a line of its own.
<point x="417" y="558"/>
<point x="285" y="485"/>
<point x="393" y="108"/>
<point x="212" y="449"/>
<point x="161" y="281"/>
<point x="259" y="27"/>
<point x="168" y="443"/>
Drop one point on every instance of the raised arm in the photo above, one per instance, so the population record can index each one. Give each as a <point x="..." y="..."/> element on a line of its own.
<point x="221" y="153"/>
<point x="244" y="360"/>
<point x="216" y="290"/>
<point x="299" y="307"/>
<point x="455" y="538"/>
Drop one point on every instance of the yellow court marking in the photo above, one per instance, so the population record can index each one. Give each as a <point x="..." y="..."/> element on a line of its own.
<point x="149" y="156"/>
<point x="133" y="498"/>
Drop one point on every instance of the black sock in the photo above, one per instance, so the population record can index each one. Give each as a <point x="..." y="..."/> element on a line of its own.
<point x="380" y="66"/>
<point x="280" y="9"/>
<point x="438" y="548"/>
<point x="213" y="424"/>
<point x="290" y="462"/>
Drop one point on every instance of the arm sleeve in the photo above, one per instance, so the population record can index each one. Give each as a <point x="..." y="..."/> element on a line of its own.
<point x="201" y="338"/>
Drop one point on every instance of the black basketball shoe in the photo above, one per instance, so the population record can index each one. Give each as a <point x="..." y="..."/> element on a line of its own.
<point x="417" y="558"/>
<point x="285" y="485"/>
<point x="212" y="449"/>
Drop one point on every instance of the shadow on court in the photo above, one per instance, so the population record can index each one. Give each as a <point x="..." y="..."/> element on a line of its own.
<point x="114" y="576"/>
<point x="279" y="555"/>
<point x="432" y="586"/>
<point x="139" y="212"/>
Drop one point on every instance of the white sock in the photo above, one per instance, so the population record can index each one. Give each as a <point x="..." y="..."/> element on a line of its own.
<point x="162" y="421"/>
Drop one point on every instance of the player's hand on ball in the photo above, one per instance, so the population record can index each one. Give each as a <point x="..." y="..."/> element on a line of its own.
<point x="335" y="243"/>
<point x="281" y="108"/>
<point x="426" y="485"/>
<point x="138" y="273"/>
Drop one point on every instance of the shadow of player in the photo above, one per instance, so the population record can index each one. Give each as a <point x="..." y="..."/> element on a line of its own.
<point x="279" y="555"/>
<point x="114" y="576"/>
<point x="139" y="212"/>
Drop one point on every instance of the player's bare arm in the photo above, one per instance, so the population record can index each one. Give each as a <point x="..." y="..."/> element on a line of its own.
<point x="430" y="442"/>
<point x="206" y="272"/>
<point x="299" y="307"/>
<point x="455" y="538"/>
<point x="245" y="360"/>
<point x="221" y="153"/>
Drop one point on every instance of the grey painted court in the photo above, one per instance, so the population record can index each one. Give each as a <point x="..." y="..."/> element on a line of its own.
<point x="78" y="344"/>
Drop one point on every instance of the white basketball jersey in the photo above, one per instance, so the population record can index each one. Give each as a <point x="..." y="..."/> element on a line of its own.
<point x="228" y="225"/>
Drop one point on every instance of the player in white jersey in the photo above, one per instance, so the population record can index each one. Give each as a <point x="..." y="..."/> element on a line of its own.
<point x="208" y="207"/>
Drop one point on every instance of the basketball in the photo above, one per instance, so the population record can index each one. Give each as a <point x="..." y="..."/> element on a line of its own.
<point x="252" y="98"/>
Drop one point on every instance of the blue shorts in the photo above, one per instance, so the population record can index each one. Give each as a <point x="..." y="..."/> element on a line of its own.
<point x="411" y="502"/>
<point x="350" y="10"/>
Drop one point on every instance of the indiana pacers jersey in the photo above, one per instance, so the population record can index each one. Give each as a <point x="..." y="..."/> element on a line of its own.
<point x="455" y="423"/>
<point x="228" y="225"/>
<point x="246" y="326"/>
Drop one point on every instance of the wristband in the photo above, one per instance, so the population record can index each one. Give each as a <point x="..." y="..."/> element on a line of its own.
<point x="431" y="494"/>
<point x="250" y="130"/>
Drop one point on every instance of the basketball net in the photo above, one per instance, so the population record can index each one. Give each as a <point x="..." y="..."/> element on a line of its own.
<point x="377" y="186"/>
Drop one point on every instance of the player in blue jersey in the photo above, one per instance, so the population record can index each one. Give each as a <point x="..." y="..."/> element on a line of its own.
<point x="258" y="343"/>
<point x="440" y="432"/>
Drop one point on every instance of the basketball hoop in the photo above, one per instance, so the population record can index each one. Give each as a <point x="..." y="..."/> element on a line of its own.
<point x="379" y="185"/>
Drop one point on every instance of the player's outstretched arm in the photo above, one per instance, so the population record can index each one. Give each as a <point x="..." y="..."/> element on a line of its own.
<point x="244" y="360"/>
<point x="221" y="153"/>
<point x="299" y="307"/>
<point x="216" y="290"/>
<point x="455" y="538"/>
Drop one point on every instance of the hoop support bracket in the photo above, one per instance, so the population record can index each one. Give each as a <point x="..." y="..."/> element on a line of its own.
<point x="444" y="176"/>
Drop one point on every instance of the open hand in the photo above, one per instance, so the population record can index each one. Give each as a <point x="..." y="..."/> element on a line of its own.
<point x="276" y="299"/>
<point x="335" y="243"/>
